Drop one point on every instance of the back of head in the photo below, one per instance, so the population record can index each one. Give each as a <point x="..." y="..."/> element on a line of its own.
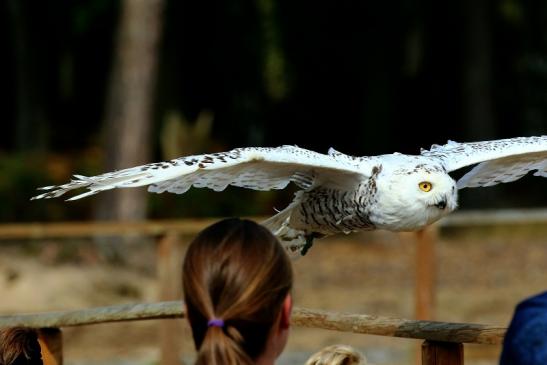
<point x="19" y="346"/>
<point x="235" y="271"/>
<point x="337" y="355"/>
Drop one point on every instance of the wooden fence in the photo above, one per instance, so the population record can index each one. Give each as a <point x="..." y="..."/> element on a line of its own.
<point x="442" y="345"/>
<point x="443" y="341"/>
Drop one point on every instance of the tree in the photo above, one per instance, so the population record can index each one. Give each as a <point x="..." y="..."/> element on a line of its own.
<point x="128" y="115"/>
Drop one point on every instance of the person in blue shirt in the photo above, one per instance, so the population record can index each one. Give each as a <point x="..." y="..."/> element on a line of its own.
<point x="525" y="342"/>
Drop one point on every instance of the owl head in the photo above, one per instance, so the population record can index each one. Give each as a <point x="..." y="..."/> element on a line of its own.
<point x="415" y="196"/>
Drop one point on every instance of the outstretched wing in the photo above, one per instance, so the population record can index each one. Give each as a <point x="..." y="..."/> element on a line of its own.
<point x="499" y="161"/>
<point x="253" y="168"/>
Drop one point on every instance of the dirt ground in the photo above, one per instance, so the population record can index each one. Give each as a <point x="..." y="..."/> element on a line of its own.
<point x="482" y="273"/>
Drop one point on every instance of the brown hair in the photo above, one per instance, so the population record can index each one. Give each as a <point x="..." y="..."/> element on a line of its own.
<point x="237" y="271"/>
<point x="18" y="346"/>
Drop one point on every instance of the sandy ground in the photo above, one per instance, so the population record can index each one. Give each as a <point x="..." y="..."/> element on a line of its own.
<point x="481" y="275"/>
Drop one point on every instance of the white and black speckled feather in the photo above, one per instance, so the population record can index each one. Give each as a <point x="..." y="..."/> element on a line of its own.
<point x="253" y="168"/>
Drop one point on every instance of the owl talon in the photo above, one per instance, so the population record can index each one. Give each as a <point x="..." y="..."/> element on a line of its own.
<point x="309" y="242"/>
<point x="307" y="246"/>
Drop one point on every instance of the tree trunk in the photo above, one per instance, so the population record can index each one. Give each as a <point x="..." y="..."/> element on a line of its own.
<point x="129" y="106"/>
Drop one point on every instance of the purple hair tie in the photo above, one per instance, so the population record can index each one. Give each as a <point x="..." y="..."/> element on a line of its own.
<point x="215" y="322"/>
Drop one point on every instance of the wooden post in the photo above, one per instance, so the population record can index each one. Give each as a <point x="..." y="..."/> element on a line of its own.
<point x="425" y="269"/>
<point x="169" y="261"/>
<point x="51" y="344"/>
<point x="425" y="272"/>
<point x="442" y="353"/>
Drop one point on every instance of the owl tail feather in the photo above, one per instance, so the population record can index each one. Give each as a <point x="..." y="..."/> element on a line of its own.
<point x="296" y="242"/>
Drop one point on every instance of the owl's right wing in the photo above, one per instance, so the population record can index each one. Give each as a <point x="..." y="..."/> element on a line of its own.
<point x="255" y="168"/>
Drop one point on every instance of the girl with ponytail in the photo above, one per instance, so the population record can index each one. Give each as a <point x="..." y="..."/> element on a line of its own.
<point x="237" y="281"/>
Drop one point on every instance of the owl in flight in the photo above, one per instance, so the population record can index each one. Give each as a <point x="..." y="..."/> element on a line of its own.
<point x="338" y="192"/>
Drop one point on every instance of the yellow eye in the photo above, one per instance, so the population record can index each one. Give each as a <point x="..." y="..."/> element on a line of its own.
<point x="425" y="186"/>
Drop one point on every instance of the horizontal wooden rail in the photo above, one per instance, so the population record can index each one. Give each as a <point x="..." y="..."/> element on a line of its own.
<point x="86" y="229"/>
<point x="495" y="217"/>
<point x="397" y="327"/>
<point x="192" y="226"/>
<point x="356" y="323"/>
<point x="117" y="313"/>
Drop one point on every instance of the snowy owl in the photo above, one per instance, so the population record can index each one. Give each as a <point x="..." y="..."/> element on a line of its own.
<point x="338" y="193"/>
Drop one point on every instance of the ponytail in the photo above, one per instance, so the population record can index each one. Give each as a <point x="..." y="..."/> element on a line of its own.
<point x="219" y="348"/>
<point x="236" y="276"/>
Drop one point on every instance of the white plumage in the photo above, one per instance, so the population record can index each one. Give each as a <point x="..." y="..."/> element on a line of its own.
<point x="339" y="193"/>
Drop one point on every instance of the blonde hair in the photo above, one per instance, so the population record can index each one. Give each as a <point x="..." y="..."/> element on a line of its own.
<point x="337" y="355"/>
<point x="237" y="273"/>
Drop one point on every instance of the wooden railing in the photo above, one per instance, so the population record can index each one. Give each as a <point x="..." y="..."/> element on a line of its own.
<point x="442" y="345"/>
<point x="302" y="317"/>
<point x="443" y="341"/>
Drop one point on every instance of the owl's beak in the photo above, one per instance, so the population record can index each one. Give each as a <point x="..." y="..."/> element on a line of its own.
<point x="441" y="205"/>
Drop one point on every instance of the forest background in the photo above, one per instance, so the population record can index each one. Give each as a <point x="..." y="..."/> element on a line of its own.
<point x="95" y="85"/>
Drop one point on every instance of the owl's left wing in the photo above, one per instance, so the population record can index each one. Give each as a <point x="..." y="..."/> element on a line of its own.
<point x="499" y="161"/>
